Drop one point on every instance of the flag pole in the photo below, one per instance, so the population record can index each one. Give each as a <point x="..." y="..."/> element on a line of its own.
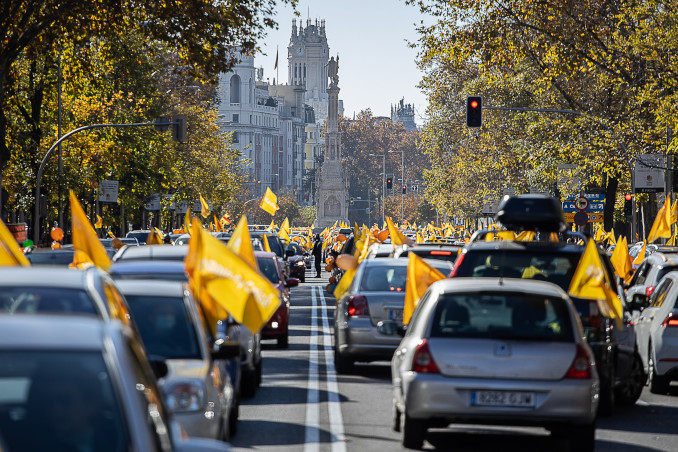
<point x="277" y="66"/>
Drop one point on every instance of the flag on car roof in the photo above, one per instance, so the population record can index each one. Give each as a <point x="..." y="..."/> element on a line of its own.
<point x="10" y="253"/>
<point x="85" y="239"/>
<point x="621" y="261"/>
<point x="591" y="282"/>
<point x="420" y="275"/>
<point x="241" y="243"/>
<point x="223" y="282"/>
<point x="661" y="228"/>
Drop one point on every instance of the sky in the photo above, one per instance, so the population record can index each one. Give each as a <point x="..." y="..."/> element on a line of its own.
<point x="376" y="66"/>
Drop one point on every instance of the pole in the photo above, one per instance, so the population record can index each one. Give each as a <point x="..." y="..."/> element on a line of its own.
<point x="36" y="220"/>
<point x="61" y="163"/>
<point x="402" y="195"/>
<point x="383" y="190"/>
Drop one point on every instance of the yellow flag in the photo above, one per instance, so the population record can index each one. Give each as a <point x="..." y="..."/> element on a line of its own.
<point x="154" y="237"/>
<point x="661" y="228"/>
<point x="100" y="223"/>
<point x="600" y="234"/>
<point x="591" y="282"/>
<point x="506" y="235"/>
<point x="218" y="227"/>
<point x="269" y="202"/>
<point x="10" y="253"/>
<point x="284" y="231"/>
<point x="344" y="283"/>
<point x="397" y="237"/>
<point x="285" y="224"/>
<point x="525" y="236"/>
<point x="223" y="282"/>
<point x="204" y="208"/>
<point x="641" y="256"/>
<point x="674" y="213"/>
<point x="267" y="247"/>
<point x="271" y="226"/>
<point x="85" y="238"/>
<point x="672" y="241"/>
<point x="420" y="275"/>
<point x="241" y="243"/>
<point x="621" y="261"/>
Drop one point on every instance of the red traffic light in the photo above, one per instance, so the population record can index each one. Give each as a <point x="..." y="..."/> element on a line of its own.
<point x="628" y="196"/>
<point x="474" y="104"/>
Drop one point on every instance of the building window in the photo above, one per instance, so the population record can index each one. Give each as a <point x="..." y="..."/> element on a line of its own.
<point x="236" y="138"/>
<point x="236" y="118"/>
<point x="235" y="89"/>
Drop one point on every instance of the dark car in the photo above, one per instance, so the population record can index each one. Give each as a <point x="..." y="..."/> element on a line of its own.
<point x="296" y="261"/>
<point x="621" y="373"/>
<point x="278" y="326"/>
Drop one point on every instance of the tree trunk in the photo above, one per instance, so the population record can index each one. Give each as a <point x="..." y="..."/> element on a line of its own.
<point x="610" y="197"/>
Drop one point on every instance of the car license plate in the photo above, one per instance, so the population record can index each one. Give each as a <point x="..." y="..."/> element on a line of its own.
<point x="395" y="314"/>
<point x="502" y="398"/>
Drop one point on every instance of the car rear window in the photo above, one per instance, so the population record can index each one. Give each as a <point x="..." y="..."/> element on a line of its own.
<point x="556" y="268"/>
<point x="501" y="315"/>
<point x="267" y="266"/>
<point x="40" y="300"/>
<point x="382" y="278"/>
<point x="664" y="270"/>
<point x="165" y="326"/>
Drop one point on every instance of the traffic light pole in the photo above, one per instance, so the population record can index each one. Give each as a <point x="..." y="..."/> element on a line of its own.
<point x="36" y="220"/>
<point x="402" y="195"/>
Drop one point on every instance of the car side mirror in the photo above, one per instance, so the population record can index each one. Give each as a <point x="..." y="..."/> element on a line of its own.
<point x="639" y="302"/>
<point x="391" y="328"/>
<point x="292" y="282"/>
<point x="227" y="350"/>
<point x="159" y="366"/>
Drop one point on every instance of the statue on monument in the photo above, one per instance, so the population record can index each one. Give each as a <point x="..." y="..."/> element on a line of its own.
<point x="333" y="70"/>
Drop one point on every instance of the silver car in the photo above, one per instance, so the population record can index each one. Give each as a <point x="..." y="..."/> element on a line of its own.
<point x="377" y="293"/>
<point x="495" y="351"/>
<point x="82" y="384"/>
<point x="196" y="390"/>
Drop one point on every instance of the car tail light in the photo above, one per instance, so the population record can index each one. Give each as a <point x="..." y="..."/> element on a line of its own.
<point x="357" y="305"/>
<point x="594" y="315"/>
<point x="423" y="360"/>
<point x="581" y="365"/>
<point x="440" y="253"/>
<point x="649" y="290"/>
<point x="671" y="320"/>
<point x="457" y="263"/>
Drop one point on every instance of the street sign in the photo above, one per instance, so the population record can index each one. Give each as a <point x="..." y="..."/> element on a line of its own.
<point x="581" y="203"/>
<point x="581" y="218"/>
<point x="592" y="217"/>
<point x="648" y="174"/>
<point x="490" y="206"/>
<point x="593" y="207"/>
<point x="108" y="191"/>
<point x="153" y="202"/>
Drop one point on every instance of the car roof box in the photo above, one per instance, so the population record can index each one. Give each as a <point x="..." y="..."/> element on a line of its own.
<point x="531" y="213"/>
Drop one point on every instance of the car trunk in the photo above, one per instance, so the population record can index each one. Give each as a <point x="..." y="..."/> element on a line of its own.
<point x="508" y="359"/>
<point x="385" y="306"/>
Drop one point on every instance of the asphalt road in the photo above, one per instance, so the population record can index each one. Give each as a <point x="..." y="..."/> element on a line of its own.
<point x="302" y="405"/>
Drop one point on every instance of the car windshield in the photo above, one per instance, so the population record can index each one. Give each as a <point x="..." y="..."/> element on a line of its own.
<point x="61" y="258"/>
<point x="383" y="278"/>
<point x="148" y="275"/>
<point x="267" y="266"/>
<point x="34" y="300"/>
<point x="296" y="249"/>
<point x="67" y="396"/>
<point x="165" y="326"/>
<point x="501" y="315"/>
<point x="556" y="268"/>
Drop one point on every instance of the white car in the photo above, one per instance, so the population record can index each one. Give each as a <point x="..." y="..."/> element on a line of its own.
<point x="657" y="335"/>
<point x="496" y="351"/>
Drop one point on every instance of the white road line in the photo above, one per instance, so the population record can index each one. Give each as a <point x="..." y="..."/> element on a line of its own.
<point x="333" y="403"/>
<point x="312" y="436"/>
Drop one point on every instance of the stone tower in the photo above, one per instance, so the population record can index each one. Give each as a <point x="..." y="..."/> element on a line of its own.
<point x="404" y="113"/>
<point x="332" y="194"/>
<point x="307" y="56"/>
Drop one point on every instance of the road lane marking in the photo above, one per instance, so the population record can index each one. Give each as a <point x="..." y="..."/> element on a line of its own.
<point x="333" y="403"/>
<point x="312" y="433"/>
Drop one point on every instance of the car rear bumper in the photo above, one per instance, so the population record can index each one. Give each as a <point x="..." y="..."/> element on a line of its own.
<point x="666" y="354"/>
<point x="201" y="424"/>
<point x="359" y="339"/>
<point x="277" y="326"/>
<point x="433" y="396"/>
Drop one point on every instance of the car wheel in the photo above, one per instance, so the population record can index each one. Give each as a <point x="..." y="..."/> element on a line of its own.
<point x="583" y="438"/>
<point x="257" y="373"/>
<point x="658" y="384"/>
<point x="233" y="420"/>
<point x="303" y="278"/>
<point x="414" y="431"/>
<point x="284" y="341"/>
<point x="342" y="364"/>
<point x="606" y="405"/>
<point x="397" y="415"/>
<point x="629" y="391"/>
<point x="248" y="383"/>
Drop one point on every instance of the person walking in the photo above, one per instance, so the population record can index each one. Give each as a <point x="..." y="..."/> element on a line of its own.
<point x="317" y="254"/>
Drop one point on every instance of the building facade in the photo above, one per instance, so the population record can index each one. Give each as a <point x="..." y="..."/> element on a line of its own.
<point x="403" y="113"/>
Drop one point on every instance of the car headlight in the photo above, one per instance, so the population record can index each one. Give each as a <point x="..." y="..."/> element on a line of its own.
<point x="186" y="397"/>
<point x="300" y="263"/>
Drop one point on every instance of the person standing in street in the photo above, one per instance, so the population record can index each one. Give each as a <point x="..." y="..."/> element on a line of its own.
<point x="317" y="254"/>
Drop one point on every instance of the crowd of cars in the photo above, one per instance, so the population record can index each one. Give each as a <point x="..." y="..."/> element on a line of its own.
<point x="501" y="341"/>
<point x="140" y="365"/>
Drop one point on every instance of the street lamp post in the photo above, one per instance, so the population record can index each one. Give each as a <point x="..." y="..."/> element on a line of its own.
<point x="383" y="186"/>
<point x="402" y="195"/>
